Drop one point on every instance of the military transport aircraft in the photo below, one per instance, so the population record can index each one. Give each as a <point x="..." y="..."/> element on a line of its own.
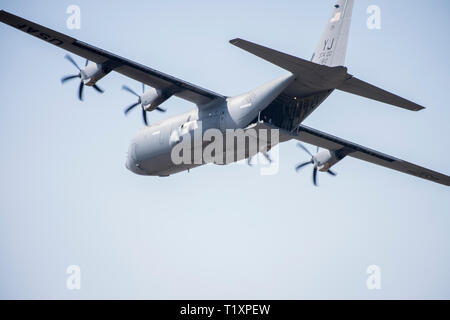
<point x="281" y="104"/>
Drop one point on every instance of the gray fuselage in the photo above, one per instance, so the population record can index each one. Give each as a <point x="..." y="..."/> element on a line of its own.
<point x="150" y="152"/>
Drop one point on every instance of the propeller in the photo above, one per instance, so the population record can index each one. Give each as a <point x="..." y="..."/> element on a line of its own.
<point x="314" y="162"/>
<point x="131" y="107"/>
<point x="266" y="156"/>
<point x="79" y="75"/>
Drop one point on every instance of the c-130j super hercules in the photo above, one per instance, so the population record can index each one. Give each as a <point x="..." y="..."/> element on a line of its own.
<point x="281" y="104"/>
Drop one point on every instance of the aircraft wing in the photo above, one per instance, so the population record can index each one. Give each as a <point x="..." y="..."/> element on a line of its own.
<point x="327" y="141"/>
<point x="346" y="148"/>
<point x="112" y="62"/>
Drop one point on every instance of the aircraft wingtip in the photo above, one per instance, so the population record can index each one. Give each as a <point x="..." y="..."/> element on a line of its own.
<point x="4" y="13"/>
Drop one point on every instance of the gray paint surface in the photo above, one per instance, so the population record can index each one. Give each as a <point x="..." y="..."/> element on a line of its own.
<point x="67" y="198"/>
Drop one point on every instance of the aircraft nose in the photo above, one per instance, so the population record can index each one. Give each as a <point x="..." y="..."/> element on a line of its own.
<point x="129" y="164"/>
<point x="132" y="163"/>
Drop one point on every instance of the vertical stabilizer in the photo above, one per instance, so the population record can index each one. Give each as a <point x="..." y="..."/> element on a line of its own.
<point x="333" y="44"/>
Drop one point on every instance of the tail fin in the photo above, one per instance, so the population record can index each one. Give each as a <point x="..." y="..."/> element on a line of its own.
<point x="333" y="44"/>
<point x="325" y="71"/>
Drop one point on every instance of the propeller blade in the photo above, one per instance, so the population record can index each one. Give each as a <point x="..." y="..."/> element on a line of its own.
<point x="332" y="173"/>
<point x="161" y="109"/>
<point x="131" y="91"/>
<point x="98" y="88"/>
<point x="143" y="87"/>
<point x="131" y="107"/>
<point x="80" y="91"/>
<point x="304" y="148"/>
<point x="315" y="176"/>
<point x="64" y="79"/>
<point x="317" y="149"/>
<point x="86" y="63"/>
<point x="302" y="165"/>
<point x="268" y="158"/>
<point x="72" y="61"/>
<point x="144" y="116"/>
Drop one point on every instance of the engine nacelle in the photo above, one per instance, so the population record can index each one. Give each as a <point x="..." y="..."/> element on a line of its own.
<point x="92" y="73"/>
<point x="325" y="159"/>
<point x="152" y="98"/>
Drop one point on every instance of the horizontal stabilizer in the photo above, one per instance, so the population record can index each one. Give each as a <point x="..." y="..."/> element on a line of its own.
<point x="364" y="89"/>
<point x="309" y="74"/>
<point x="318" y="77"/>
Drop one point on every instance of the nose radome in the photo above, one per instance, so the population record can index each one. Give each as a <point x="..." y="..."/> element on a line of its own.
<point x="134" y="166"/>
<point x="129" y="163"/>
<point x="132" y="163"/>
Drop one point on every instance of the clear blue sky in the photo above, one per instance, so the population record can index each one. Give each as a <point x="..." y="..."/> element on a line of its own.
<point x="221" y="232"/>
